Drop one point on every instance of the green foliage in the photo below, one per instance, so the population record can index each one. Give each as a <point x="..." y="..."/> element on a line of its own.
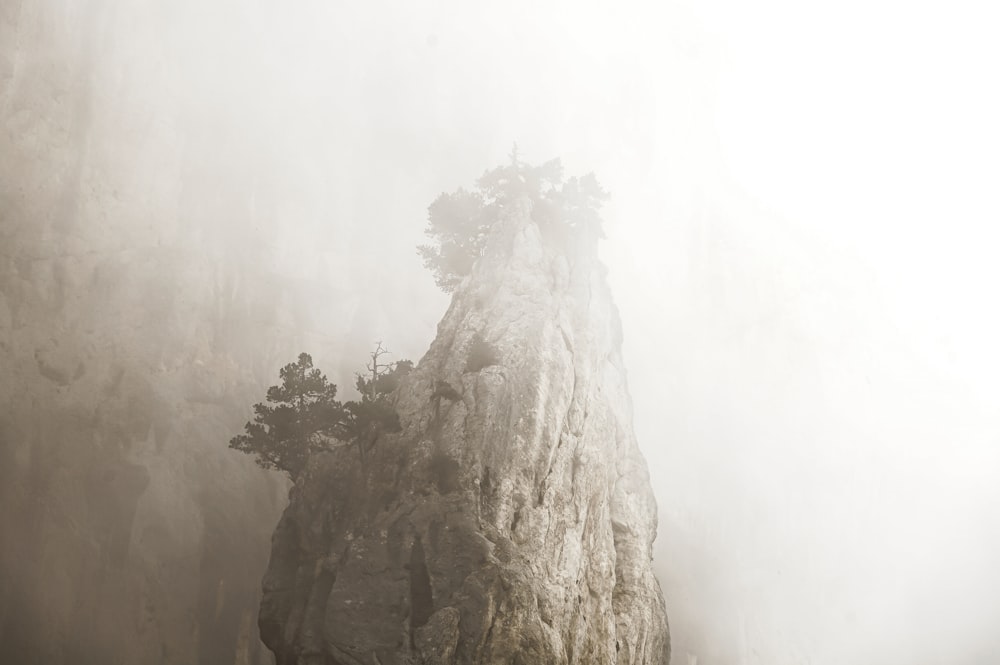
<point x="293" y="422"/>
<point x="460" y="223"/>
<point x="386" y="380"/>
<point x="373" y="414"/>
<point x="302" y="416"/>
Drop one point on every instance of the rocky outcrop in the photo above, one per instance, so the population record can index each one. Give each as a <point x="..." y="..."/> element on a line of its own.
<point x="512" y="519"/>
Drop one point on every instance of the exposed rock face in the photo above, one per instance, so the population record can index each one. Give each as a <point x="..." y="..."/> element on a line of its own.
<point x="146" y="302"/>
<point x="511" y="521"/>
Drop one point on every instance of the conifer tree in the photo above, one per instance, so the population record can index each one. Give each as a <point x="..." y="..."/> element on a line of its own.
<point x="459" y="223"/>
<point x="302" y="415"/>
<point x="295" y="421"/>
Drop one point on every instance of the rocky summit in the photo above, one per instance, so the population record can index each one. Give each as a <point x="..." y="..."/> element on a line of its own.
<point x="512" y="519"/>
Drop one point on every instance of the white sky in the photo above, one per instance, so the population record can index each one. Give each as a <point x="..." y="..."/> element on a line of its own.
<point x="824" y="276"/>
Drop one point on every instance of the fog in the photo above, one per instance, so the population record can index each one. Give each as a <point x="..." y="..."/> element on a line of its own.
<point x="801" y="241"/>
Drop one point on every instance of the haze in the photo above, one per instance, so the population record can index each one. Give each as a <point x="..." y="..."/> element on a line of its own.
<point x="801" y="241"/>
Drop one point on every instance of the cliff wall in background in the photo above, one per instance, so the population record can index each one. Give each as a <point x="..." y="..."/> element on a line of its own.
<point x="147" y="298"/>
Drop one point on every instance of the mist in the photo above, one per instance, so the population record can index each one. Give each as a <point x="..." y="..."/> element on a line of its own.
<point x="801" y="242"/>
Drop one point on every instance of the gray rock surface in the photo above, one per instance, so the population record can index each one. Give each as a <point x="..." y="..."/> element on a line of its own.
<point x="148" y="296"/>
<point x="512" y="519"/>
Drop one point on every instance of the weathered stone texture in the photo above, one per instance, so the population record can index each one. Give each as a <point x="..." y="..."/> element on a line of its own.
<point x="512" y="519"/>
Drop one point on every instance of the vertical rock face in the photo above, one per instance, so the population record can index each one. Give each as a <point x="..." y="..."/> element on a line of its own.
<point x="145" y="303"/>
<point x="512" y="519"/>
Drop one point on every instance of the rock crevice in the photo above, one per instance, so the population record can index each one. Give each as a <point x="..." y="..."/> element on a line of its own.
<point x="511" y="520"/>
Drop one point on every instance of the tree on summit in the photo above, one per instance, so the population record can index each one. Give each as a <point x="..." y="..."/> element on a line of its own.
<point x="459" y="223"/>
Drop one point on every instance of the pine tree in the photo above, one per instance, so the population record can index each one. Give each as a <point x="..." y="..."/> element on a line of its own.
<point x="459" y="223"/>
<point x="374" y="414"/>
<point x="302" y="415"/>
<point x="298" y="418"/>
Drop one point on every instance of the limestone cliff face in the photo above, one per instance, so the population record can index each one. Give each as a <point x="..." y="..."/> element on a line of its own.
<point x="512" y="519"/>
<point x="146" y="301"/>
